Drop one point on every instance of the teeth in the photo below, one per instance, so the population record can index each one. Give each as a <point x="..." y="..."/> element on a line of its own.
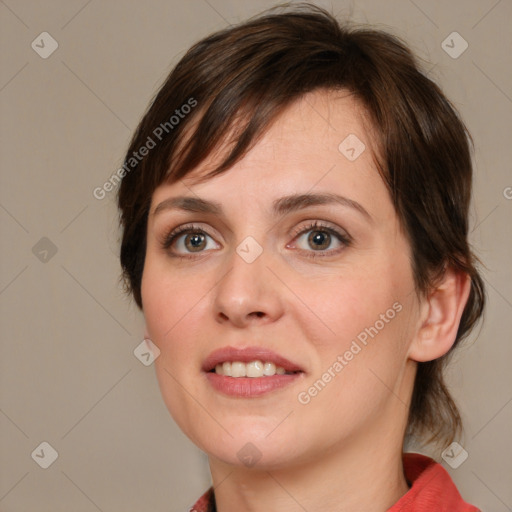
<point x="252" y="369"/>
<point x="269" y="369"/>
<point x="238" y="369"/>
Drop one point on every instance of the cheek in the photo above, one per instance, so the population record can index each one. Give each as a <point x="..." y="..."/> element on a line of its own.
<point x="359" y="373"/>
<point x="176" y="309"/>
<point x="157" y="307"/>
<point x="368" y="315"/>
<point x="349" y="303"/>
<point x="168" y="299"/>
<point x="172" y="312"/>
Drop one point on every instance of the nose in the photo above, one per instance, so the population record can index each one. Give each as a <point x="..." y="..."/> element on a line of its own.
<point x="248" y="293"/>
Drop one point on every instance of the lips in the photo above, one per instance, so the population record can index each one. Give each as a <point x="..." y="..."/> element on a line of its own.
<point x="246" y="355"/>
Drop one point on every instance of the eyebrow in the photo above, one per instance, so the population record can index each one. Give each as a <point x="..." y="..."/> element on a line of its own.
<point x="281" y="206"/>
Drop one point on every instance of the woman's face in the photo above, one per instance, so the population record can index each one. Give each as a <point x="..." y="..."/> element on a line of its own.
<point x="326" y="285"/>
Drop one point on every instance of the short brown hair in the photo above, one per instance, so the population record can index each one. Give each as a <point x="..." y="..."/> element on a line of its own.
<point x="243" y="77"/>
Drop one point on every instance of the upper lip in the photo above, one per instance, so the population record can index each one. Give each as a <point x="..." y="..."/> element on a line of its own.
<point x="246" y="355"/>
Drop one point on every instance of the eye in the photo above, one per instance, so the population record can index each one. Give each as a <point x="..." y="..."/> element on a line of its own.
<point x="188" y="239"/>
<point x="320" y="239"/>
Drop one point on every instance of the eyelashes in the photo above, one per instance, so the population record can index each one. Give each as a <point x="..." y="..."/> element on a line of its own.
<point x="317" y="227"/>
<point x="320" y="234"/>
<point x="170" y="238"/>
<point x="189" y="229"/>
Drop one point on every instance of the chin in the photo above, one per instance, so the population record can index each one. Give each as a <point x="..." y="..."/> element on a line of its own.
<point x="252" y="456"/>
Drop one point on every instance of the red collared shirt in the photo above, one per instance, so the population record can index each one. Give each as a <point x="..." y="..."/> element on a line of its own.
<point x="432" y="490"/>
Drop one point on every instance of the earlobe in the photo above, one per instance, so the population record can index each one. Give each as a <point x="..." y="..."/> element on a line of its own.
<point x="441" y="313"/>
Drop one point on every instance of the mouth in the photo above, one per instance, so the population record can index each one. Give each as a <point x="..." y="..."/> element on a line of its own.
<point x="249" y="372"/>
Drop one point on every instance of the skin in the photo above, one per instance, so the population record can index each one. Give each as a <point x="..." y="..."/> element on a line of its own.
<point x="342" y="450"/>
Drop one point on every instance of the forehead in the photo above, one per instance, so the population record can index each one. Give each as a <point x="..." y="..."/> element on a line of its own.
<point x="324" y="141"/>
<point x="316" y="111"/>
<point x="316" y="122"/>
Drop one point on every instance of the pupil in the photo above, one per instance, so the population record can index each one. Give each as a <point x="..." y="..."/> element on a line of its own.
<point x="320" y="239"/>
<point x="196" y="240"/>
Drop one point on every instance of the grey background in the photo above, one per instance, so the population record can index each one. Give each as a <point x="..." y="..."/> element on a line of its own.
<point x="68" y="373"/>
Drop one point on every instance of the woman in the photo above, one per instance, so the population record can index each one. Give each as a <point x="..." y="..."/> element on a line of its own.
<point x="294" y="207"/>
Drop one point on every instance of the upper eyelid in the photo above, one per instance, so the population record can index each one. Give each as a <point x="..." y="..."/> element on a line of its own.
<point x="319" y="225"/>
<point x="310" y="224"/>
<point x="179" y="231"/>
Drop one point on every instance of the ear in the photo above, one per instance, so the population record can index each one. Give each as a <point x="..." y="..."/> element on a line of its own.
<point x="441" y="312"/>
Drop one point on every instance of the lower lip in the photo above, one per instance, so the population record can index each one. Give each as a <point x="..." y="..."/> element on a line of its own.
<point x="248" y="387"/>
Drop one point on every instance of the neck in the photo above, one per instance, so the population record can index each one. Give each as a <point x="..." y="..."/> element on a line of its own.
<point x="357" y="477"/>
